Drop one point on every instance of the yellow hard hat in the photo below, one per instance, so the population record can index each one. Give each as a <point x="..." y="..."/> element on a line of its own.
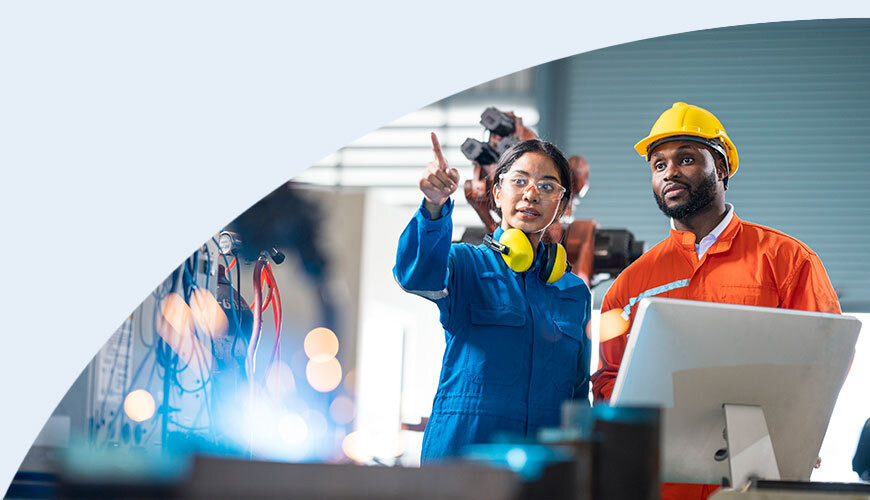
<point x="685" y="122"/>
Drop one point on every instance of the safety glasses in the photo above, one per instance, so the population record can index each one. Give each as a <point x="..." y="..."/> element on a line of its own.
<point x="518" y="183"/>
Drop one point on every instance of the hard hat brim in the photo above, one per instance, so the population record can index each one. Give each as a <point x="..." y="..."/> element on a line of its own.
<point x="642" y="147"/>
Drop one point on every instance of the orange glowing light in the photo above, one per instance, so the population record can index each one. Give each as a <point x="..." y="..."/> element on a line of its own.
<point x="356" y="446"/>
<point x="139" y="405"/>
<point x="323" y="376"/>
<point x="390" y="449"/>
<point x="177" y="319"/>
<point x="279" y="380"/>
<point x="612" y="325"/>
<point x="210" y="318"/>
<point x="175" y="327"/>
<point x="342" y="410"/>
<point x="350" y="382"/>
<point x="321" y="344"/>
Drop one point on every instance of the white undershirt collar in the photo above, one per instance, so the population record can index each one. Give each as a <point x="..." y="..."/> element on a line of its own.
<point x="707" y="241"/>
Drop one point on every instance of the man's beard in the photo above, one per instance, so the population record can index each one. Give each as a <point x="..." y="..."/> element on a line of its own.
<point x="699" y="199"/>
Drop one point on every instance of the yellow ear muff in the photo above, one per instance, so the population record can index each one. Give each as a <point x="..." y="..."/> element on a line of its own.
<point x="560" y="264"/>
<point x="520" y="256"/>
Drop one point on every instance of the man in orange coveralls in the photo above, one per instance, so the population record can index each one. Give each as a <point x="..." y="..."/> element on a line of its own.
<point x="710" y="255"/>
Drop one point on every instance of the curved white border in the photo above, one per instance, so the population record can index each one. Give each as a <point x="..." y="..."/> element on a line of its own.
<point x="130" y="132"/>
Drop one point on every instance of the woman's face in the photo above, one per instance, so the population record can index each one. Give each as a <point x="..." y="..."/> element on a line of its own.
<point x="524" y="194"/>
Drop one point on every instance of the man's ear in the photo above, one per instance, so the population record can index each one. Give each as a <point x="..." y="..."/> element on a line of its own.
<point x="722" y="170"/>
<point x="721" y="167"/>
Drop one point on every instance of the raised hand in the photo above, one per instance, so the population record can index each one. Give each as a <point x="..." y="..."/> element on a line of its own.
<point x="438" y="181"/>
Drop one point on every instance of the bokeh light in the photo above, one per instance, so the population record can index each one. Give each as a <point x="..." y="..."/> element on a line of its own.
<point x="209" y="316"/>
<point x="323" y="376"/>
<point x="292" y="428"/>
<point x="516" y="458"/>
<point x="357" y="447"/>
<point x="176" y="319"/>
<point x="317" y="424"/>
<point x="386" y="445"/>
<point x="139" y="405"/>
<point x="321" y="344"/>
<point x="350" y="382"/>
<point x="342" y="410"/>
<point x="612" y="325"/>
<point x="175" y="327"/>
<point x="279" y="379"/>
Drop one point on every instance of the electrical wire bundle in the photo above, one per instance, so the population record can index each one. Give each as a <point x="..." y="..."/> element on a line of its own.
<point x="273" y="299"/>
<point x="174" y="358"/>
<point x="188" y="358"/>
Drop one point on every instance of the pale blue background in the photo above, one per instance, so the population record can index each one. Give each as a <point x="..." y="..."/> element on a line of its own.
<point x="130" y="132"/>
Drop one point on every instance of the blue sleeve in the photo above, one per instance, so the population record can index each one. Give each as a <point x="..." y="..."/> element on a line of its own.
<point x="423" y="258"/>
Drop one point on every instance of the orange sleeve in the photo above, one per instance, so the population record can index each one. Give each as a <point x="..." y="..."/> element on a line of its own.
<point x="610" y="351"/>
<point x="809" y="288"/>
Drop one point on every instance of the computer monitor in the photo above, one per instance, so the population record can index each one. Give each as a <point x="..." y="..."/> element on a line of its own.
<point x="692" y="357"/>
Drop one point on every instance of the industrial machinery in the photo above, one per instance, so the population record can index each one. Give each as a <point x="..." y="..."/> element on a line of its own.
<point x="596" y="453"/>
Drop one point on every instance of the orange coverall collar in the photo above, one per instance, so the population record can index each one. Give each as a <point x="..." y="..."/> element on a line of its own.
<point x="686" y="239"/>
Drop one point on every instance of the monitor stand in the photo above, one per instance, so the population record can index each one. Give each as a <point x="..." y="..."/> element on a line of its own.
<point x="750" y="450"/>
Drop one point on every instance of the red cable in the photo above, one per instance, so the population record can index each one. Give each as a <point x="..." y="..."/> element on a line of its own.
<point x="276" y="299"/>
<point x="251" y="361"/>
<point x="268" y="299"/>
<point x="268" y="294"/>
<point x="277" y="313"/>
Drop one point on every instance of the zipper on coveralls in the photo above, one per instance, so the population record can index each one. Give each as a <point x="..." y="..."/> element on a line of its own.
<point x="531" y="352"/>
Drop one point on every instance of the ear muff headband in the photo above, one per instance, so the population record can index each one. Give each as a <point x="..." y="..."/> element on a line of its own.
<point x="554" y="263"/>
<point x="548" y="258"/>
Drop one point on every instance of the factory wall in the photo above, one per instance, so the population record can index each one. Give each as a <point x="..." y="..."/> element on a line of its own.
<point x="793" y="96"/>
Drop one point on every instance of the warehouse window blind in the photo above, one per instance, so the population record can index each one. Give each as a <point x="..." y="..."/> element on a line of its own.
<point x="794" y="97"/>
<point x="388" y="162"/>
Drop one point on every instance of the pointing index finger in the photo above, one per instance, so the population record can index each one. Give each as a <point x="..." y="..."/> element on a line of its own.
<point x="436" y="148"/>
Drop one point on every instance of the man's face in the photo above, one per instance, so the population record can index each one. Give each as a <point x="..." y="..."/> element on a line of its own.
<point x="685" y="180"/>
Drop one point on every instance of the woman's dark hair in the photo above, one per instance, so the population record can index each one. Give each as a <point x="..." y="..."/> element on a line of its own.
<point x="535" y="146"/>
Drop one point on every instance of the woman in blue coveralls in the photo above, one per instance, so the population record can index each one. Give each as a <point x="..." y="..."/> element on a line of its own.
<point x="516" y="346"/>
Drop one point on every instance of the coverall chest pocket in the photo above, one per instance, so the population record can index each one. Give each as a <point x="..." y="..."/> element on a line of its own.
<point x="750" y="295"/>
<point x="568" y="342"/>
<point x="497" y="346"/>
<point x="495" y="292"/>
